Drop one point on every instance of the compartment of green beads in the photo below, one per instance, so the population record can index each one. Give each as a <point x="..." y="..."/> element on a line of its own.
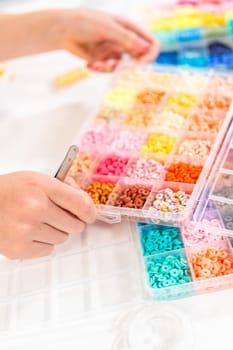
<point x="166" y="267"/>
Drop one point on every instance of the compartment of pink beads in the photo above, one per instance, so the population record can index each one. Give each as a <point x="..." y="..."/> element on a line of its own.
<point x="146" y="166"/>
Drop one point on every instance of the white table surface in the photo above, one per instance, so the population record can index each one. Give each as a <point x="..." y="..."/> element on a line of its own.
<point x="36" y="126"/>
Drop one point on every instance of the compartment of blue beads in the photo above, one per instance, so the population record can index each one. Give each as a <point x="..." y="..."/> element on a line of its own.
<point x="159" y="239"/>
<point x="166" y="266"/>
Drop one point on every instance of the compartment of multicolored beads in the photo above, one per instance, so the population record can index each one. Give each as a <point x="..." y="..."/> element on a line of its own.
<point x="168" y="201"/>
<point x="149" y="140"/>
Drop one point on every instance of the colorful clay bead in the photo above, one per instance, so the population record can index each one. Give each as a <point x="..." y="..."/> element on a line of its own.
<point x="211" y="262"/>
<point x="177" y="109"/>
<point x="170" y="201"/>
<point x="133" y="197"/>
<point x="194" y="234"/>
<point x="125" y="141"/>
<point x="167" y="271"/>
<point x="111" y="165"/>
<point x="212" y="19"/>
<point x="165" y="24"/>
<point x="159" y="143"/>
<point x="129" y="76"/>
<point x="193" y="83"/>
<point x="181" y="100"/>
<point x="139" y="116"/>
<point x="212" y="102"/>
<point x="191" y="147"/>
<point x="99" y="192"/>
<point x="82" y="163"/>
<point x="149" y="96"/>
<point x="158" y="80"/>
<point x="183" y="172"/>
<point x="147" y="169"/>
<point x="220" y="84"/>
<point x="158" y="239"/>
<point x="108" y="115"/>
<point x="111" y="139"/>
<point x="98" y="137"/>
<point x="205" y="122"/>
<point x="119" y="98"/>
<point x="168" y="120"/>
<point x="168" y="57"/>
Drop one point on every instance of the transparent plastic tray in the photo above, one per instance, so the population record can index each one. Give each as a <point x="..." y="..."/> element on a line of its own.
<point x="93" y="280"/>
<point x="88" y="275"/>
<point x="99" y="272"/>
<point x="216" y="200"/>
<point x="123" y="125"/>
<point x="197" y="34"/>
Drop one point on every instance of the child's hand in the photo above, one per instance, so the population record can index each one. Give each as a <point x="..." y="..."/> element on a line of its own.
<point x="102" y="39"/>
<point x="38" y="212"/>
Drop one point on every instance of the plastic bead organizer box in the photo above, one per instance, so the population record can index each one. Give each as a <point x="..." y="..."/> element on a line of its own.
<point x="146" y="157"/>
<point x="193" y="33"/>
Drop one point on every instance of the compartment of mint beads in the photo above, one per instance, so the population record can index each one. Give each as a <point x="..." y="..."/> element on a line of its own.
<point x="159" y="239"/>
<point x="166" y="267"/>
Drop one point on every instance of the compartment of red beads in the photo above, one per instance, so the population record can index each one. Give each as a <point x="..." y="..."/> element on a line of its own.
<point x="110" y="164"/>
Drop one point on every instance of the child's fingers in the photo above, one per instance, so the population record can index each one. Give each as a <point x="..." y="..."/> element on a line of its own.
<point x="104" y="66"/>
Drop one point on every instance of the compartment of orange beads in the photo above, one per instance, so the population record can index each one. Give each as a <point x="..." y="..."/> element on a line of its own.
<point x="185" y="170"/>
<point x="205" y="121"/>
<point x="211" y="261"/>
<point x="99" y="188"/>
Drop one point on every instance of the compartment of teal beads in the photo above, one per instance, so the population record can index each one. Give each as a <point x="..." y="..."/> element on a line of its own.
<point x="166" y="267"/>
